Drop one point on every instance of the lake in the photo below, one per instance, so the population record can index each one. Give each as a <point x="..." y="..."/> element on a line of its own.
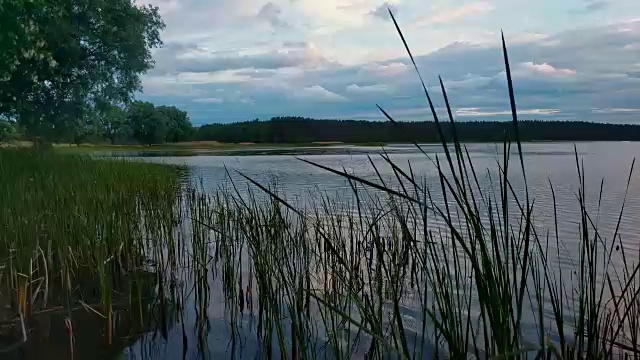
<point x="228" y="332"/>
<point x="605" y="163"/>
<point x="545" y="162"/>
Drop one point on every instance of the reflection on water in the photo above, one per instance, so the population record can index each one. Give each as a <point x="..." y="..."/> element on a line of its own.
<point x="51" y="336"/>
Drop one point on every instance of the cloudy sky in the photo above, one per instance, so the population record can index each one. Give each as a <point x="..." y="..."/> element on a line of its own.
<point x="232" y="60"/>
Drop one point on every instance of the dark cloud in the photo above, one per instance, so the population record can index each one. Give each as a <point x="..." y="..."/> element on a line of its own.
<point x="178" y="58"/>
<point x="382" y="11"/>
<point x="272" y="13"/>
<point x="564" y="76"/>
<point x="595" y="5"/>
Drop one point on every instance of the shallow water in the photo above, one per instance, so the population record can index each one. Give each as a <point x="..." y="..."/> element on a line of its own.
<point x="606" y="163"/>
<point x="545" y="163"/>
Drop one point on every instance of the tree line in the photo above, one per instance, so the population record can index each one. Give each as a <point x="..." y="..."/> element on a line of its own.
<point x="305" y="130"/>
<point x="138" y="123"/>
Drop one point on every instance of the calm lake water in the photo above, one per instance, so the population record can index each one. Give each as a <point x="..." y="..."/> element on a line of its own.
<point x="606" y="164"/>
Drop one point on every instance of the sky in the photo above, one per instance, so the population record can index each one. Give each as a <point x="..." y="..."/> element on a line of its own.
<point x="235" y="60"/>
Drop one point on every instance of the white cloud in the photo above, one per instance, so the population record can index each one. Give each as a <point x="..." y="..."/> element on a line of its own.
<point x="212" y="100"/>
<point x="318" y="94"/>
<point x="330" y="16"/>
<point x="545" y="69"/>
<point x="446" y="15"/>
<point x="480" y="112"/>
<point x="391" y="69"/>
<point x="367" y="89"/>
<point x="616" y="111"/>
<point x="382" y="11"/>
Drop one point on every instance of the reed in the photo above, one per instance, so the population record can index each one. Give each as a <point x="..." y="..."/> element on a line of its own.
<point x="77" y="231"/>
<point x="410" y="269"/>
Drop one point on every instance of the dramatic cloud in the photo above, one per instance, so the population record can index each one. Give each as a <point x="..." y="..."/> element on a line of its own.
<point x="227" y="60"/>
<point x="179" y="58"/>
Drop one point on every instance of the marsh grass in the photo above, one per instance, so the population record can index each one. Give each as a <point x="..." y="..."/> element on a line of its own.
<point x="410" y="269"/>
<point x="79" y="232"/>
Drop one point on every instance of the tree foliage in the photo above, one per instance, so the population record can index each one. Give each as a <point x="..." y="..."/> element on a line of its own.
<point x="178" y="126"/>
<point x="7" y="130"/>
<point x="305" y="130"/>
<point x="115" y="124"/>
<point x="157" y="125"/>
<point x="63" y="61"/>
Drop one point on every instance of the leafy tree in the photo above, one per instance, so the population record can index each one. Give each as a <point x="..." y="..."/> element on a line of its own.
<point x="64" y="59"/>
<point x="148" y="124"/>
<point x="7" y="130"/>
<point x="178" y="125"/>
<point x="115" y="124"/>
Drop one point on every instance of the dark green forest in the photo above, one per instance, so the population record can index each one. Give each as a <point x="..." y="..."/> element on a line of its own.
<point x="304" y="130"/>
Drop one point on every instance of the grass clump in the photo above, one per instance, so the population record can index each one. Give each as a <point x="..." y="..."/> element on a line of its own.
<point x="76" y="231"/>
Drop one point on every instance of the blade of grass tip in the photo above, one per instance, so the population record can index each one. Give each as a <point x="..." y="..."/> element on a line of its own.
<point x="386" y="114"/>
<point x="272" y="194"/>
<point x="426" y="93"/>
<point x="514" y="111"/>
<point x="361" y="180"/>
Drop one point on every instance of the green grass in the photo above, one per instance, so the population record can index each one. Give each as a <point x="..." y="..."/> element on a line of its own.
<point x="75" y="230"/>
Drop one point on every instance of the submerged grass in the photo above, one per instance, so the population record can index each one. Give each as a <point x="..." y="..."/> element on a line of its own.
<point x="77" y="232"/>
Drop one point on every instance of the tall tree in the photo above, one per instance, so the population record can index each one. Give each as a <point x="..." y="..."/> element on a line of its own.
<point x="148" y="125"/>
<point x="65" y="59"/>
<point x="178" y="125"/>
<point x="7" y="130"/>
<point x="115" y="124"/>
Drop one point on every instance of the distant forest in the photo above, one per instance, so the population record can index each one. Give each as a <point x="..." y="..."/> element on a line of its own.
<point x="304" y="130"/>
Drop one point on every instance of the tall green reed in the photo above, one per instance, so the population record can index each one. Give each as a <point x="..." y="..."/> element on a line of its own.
<point x="77" y="230"/>
<point x="411" y="269"/>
